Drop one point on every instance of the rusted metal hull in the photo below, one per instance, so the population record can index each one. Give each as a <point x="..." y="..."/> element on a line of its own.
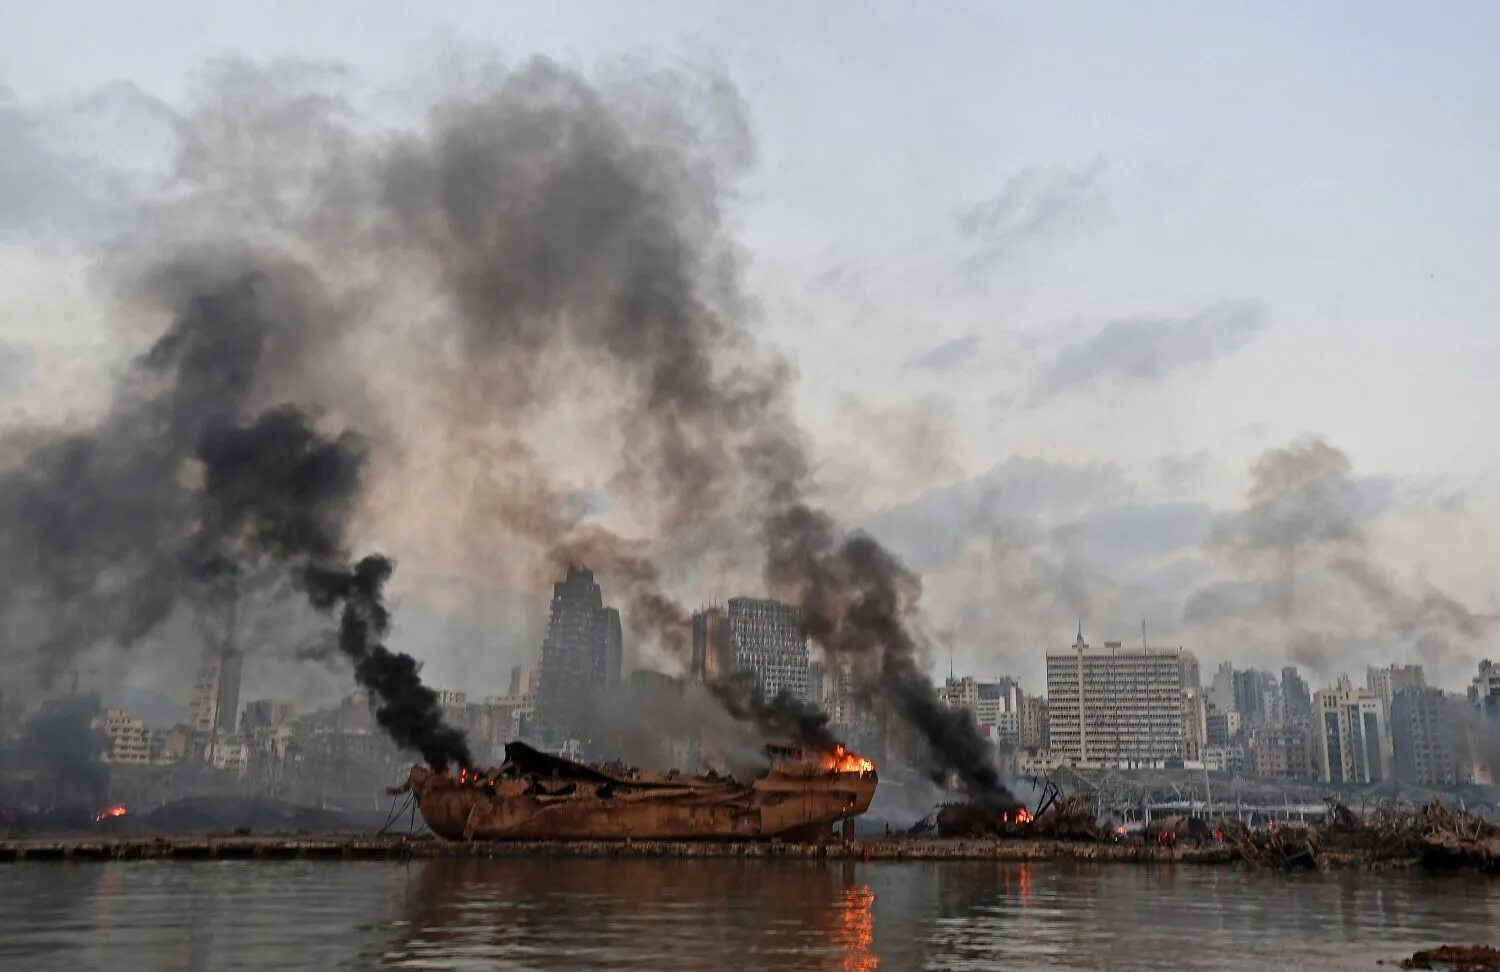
<point x="555" y="799"/>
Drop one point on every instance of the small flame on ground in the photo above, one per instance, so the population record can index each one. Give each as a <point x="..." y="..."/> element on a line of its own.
<point x="842" y="760"/>
<point x="115" y="810"/>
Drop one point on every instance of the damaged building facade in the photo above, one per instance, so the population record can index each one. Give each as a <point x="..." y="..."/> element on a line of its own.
<point x="580" y="660"/>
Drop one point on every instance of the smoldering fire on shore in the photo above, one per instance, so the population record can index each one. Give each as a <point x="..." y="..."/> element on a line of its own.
<point x="344" y="313"/>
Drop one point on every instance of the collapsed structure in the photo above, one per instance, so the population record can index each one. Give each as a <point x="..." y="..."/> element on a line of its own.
<point x="534" y="795"/>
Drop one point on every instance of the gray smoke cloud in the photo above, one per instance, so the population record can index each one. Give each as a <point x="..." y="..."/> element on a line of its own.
<point x="537" y="297"/>
<point x="576" y="233"/>
<point x="1304" y="565"/>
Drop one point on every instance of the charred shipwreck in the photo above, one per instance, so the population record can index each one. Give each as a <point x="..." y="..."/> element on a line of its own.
<point x="536" y="796"/>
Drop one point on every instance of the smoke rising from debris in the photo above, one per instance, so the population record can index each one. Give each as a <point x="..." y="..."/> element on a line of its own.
<point x="783" y="716"/>
<point x="859" y="602"/>
<point x="544" y="301"/>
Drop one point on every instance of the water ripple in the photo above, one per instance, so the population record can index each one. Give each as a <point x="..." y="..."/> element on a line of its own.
<point x="671" y="915"/>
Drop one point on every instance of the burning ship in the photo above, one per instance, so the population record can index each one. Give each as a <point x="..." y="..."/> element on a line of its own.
<point x="536" y="796"/>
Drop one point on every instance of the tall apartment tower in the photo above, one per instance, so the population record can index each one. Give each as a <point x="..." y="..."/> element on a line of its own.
<point x="1386" y="682"/>
<point x="995" y="704"/>
<point x="1426" y="732"/>
<point x="1296" y="701"/>
<point x="1115" y="706"/>
<point x="213" y="708"/>
<point x="764" y="637"/>
<point x="1349" y="735"/>
<point x="580" y="659"/>
<point x="1191" y="680"/>
<point x="710" y="645"/>
<point x="1484" y="692"/>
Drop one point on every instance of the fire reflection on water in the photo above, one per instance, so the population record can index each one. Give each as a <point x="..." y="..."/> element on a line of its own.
<point x="856" y="935"/>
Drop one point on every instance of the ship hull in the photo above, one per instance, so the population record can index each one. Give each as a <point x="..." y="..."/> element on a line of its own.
<point x="559" y="800"/>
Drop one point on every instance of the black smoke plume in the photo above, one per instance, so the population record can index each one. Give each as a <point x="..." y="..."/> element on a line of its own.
<point x="859" y="602"/>
<point x="783" y="716"/>
<point x="406" y="708"/>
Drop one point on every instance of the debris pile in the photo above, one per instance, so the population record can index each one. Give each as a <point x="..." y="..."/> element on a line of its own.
<point x="1435" y="836"/>
<point x="1459" y="958"/>
<point x="1069" y="818"/>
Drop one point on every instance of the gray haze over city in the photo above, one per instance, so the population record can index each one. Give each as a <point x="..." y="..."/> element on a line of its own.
<point x="1076" y="341"/>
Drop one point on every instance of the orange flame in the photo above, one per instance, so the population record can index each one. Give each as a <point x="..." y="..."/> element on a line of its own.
<point x="470" y="777"/>
<point x="842" y="760"/>
<point x="115" y="810"/>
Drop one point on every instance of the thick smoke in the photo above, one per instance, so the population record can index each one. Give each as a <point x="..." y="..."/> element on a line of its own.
<point x="859" y="602"/>
<point x="574" y="224"/>
<point x="185" y="496"/>
<point x="548" y="305"/>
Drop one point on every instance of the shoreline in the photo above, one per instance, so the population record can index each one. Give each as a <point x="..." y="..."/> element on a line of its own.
<point x="378" y="847"/>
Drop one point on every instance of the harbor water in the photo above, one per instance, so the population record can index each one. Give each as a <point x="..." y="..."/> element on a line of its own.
<point x="721" y="914"/>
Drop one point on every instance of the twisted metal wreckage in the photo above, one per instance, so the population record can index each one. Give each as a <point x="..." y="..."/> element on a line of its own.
<point x="534" y="795"/>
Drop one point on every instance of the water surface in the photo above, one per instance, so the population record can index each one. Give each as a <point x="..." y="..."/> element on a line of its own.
<point x="662" y="915"/>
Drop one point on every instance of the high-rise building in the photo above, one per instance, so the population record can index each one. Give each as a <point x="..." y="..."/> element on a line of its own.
<point x="1194" y="724"/>
<point x="1220" y="728"/>
<point x="520" y="680"/>
<point x="1035" y="723"/>
<point x="995" y="705"/>
<point x="1221" y="689"/>
<point x="839" y="697"/>
<point x="1426" y="734"/>
<point x="1484" y="692"/>
<point x="1349" y="735"/>
<point x="711" y="652"/>
<point x="1250" y="697"/>
<point x="764" y="638"/>
<point x="1191" y="681"/>
<point x="1115" y="706"/>
<point x="266" y="713"/>
<point x="231" y="663"/>
<point x="129" y="739"/>
<point x="214" y="705"/>
<point x="1296" y="701"/>
<point x="1386" y="682"/>
<point x="580" y="658"/>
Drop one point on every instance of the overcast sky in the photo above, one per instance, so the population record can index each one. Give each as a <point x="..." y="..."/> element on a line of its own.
<point x="1054" y="277"/>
